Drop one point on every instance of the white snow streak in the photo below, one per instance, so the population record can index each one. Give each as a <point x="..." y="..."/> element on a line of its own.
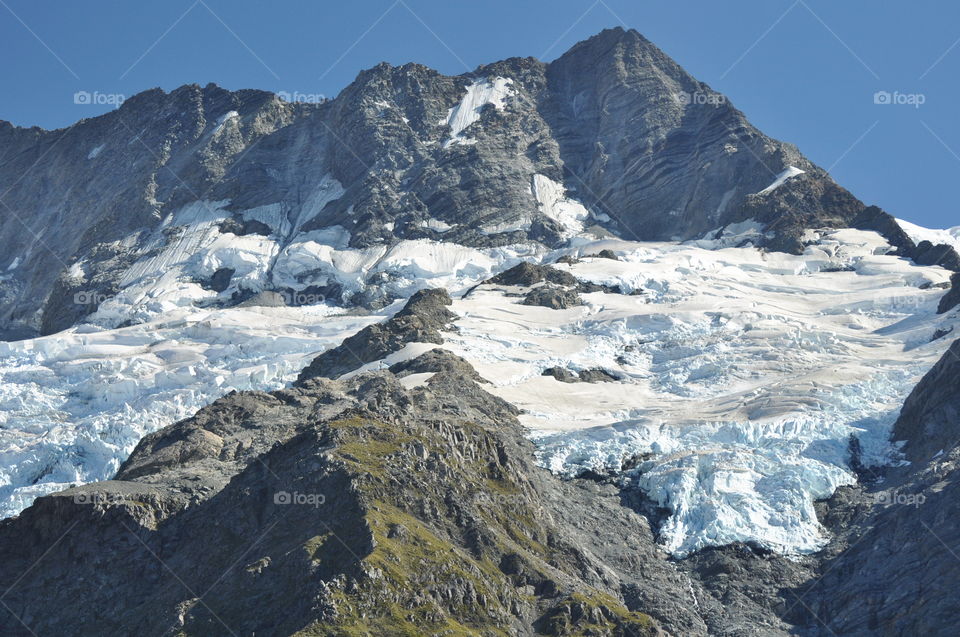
<point x="791" y="171"/>
<point x="479" y="94"/>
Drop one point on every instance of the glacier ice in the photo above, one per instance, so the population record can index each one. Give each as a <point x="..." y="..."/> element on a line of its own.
<point x="73" y="405"/>
<point x="950" y="236"/>
<point x="744" y="373"/>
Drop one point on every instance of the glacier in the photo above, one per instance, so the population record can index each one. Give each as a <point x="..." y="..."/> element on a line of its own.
<point x="73" y="405"/>
<point x="744" y="375"/>
<point x="949" y="236"/>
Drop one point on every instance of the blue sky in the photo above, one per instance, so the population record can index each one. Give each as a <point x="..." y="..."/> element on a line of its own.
<point x="805" y="71"/>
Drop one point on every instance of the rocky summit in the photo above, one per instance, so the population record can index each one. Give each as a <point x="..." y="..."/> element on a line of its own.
<point x="613" y="134"/>
<point x="562" y="348"/>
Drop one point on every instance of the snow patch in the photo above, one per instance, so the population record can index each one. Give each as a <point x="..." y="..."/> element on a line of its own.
<point x="327" y="189"/>
<point x="551" y="196"/>
<point x="479" y="94"/>
<point x="791" y="171"/>
<point x="96" y="151"/>
<point x="950" y="236"/>
<point x="223" y="119"/>
<point x="521" y="224"/>
<point x="732" y="235"/>
<point x="435" y="224"/>
<point x="724" y="202"/>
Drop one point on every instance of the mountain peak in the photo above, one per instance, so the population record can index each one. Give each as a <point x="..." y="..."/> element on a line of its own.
<point x="612" y="135"/>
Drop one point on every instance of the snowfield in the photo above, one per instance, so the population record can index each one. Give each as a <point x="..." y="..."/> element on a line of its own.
<point x="743" y="375"/>
<point x="74" y="405"/>
<point x="950" y="236"/>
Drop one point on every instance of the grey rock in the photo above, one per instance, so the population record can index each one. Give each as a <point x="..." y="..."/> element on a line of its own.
<point x="552" y="296"/>
<point x="597" y="376"/>
<point x="437" y="360"/>
<point x="930" y="419"/>
<point x="420" y="321"/>
<point x="265" y="299"/>
<point x="951" y="299"/>
<point x="565" y="375"/>
<point x="527" y="274"/>
<point x="220" y="280"/>
<point x="562" y="374"/>
<point x="606" y="254"/>
<point x="940" y="333"/>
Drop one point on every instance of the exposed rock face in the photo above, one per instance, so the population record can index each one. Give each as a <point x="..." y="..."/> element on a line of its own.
<point x="891" y="568"/>
<point x="527" y="274"/>
<point x="951" y="299"/>
<point x="552" y="296"/>
<point x="930" y="420"/>
<point x="339" y="508"/>
<point x="401" y="153"/>
<point x="564" y="375"/>
<point x="420" y="321"/>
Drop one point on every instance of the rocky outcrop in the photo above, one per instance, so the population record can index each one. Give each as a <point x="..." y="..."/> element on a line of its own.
<point x="527" y="274"/>
<point x="437" y="360"/>
<point x="565" y="375"/>
<point x="420" y="321"/>
<point x="549" y="286"/>
<point x="355" y="507"/>
<point x="924" y="253"/>
<point x="553" y="297"/>
<point x="951" y="299"/>
<point x="929" y="422"/>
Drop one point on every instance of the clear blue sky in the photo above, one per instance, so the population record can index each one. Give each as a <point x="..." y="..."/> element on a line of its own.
<point x="804" y="71"/>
